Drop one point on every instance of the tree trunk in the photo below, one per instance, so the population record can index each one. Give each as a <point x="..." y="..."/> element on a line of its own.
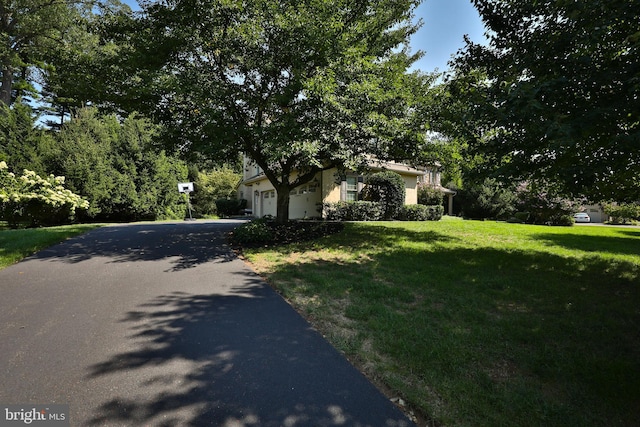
<point x="282" y="205"/>
<point x="7" y="82"/>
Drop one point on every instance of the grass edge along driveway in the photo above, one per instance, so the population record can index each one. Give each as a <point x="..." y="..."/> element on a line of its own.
<point x="21" y="243"/>
<point x="479" y="323"/>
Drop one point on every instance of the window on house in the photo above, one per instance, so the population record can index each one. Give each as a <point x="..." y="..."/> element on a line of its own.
<point x="311" y="188"/>
<point x="352" y="189"/>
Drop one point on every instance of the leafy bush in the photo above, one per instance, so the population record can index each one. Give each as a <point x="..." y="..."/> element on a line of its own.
<point x="561" y="220"/>
<point x="429" y="195"/>
<point x="211" y="186"/>
<point x="254" y="232"/>
<point x="230" y="207"/>
<point x="545" y="206"/>
<point x="487" y="200"/>
<point x="522" y="217"/>
<point x="353" y="211"/>
<point x="388" y="189"/>
<point x="623" y="214"/>
<point x="421" y="213"/>
<point x="35" y="201"/>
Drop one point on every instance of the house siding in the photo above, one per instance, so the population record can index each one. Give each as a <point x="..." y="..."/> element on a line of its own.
<point x="596" y="213"/>
<point x="411" y="186"/>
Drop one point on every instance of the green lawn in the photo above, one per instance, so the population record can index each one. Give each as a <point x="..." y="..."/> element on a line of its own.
<point x="17" y="244"/>
<point x="479" y="323"/>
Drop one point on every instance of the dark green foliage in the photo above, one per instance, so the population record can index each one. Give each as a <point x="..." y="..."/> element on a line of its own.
<point x="429" y="195"/>
<point x="111" y="163"/>
<point x="31" y="31"/>
<point x="360" y="210"/>
<point x="421" y="213"/>
<point x="117" y="169"/>
<point x="388" y="189"/>
<point x="296" y="86"/>
<point x="21" y="143"/>
<point x="230" y="207"/>
<point x="220" y="183"/>
<point x="628" y="213"/>
<point x="489" y="199"/>
<point x="545" y="206"/>
<point x="554" y="94"/>
<point x="253" y="232"/>
<point x="520" y="217"/>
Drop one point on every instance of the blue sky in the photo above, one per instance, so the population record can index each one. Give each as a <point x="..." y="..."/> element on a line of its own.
<point x="445" y="22"/>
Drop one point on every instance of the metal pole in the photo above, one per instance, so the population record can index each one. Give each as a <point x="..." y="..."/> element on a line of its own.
<point x="189" y="205"/>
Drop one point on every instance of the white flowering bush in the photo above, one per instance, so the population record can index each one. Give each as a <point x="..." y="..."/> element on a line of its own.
<point x="33" y="201"/>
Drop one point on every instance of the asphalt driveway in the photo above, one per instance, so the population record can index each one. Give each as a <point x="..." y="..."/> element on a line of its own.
<point x="160" y="325"/>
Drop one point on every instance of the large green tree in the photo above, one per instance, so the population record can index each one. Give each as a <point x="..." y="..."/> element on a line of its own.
<point x="29" y="29"/>
<point x="298" y="86"/>
<point x="50" y="51"/>
<point x="113" y="164"/>
<point x="554" y="94"/>
<point x="22" y="143"/>
<point x="80" y="71"/>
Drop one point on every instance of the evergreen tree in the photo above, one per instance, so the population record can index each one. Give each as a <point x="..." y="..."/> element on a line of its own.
<point x="22" y="144"/>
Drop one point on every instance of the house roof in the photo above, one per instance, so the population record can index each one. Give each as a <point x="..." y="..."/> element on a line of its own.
<point x="395" y="167"/>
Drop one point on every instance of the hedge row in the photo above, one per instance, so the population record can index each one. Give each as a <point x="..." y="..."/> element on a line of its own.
<point x="374" y="211"/>
<point x="421" y="213"/>
<point x="353" y="211"/>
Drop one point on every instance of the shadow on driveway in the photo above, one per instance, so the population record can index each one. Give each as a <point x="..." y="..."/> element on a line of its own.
<point x="161" y="325"/>
<point x="243" y="359"/>
<point x="188" y="244"/>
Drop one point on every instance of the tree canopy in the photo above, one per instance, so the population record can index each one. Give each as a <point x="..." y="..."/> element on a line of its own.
<point x="555" y="94"/>
<point x="50" y="52"/>
<point x="298" y="86"/>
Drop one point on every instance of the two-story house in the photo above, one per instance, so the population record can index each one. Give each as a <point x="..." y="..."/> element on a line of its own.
<point x="328" y="187"/>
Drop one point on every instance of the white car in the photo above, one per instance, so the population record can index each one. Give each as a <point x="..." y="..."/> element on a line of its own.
<point x="581" y="217"/>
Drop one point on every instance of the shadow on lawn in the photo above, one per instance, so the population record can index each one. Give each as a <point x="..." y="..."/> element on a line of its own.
<point x="187" y="244"/>
<point x="361" y="237"/>
<point x="240" y="359"/>
<point x="566" y="329"/>
<point x="632" y="233"/>
<point x="625" y="244"/>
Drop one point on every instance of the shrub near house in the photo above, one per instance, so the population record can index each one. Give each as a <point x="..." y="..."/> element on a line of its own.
<point x="386" y="188"/>
<point x="429" y="195"/>
<point x="361" y="210"/>
<point x="421" y="213"/>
